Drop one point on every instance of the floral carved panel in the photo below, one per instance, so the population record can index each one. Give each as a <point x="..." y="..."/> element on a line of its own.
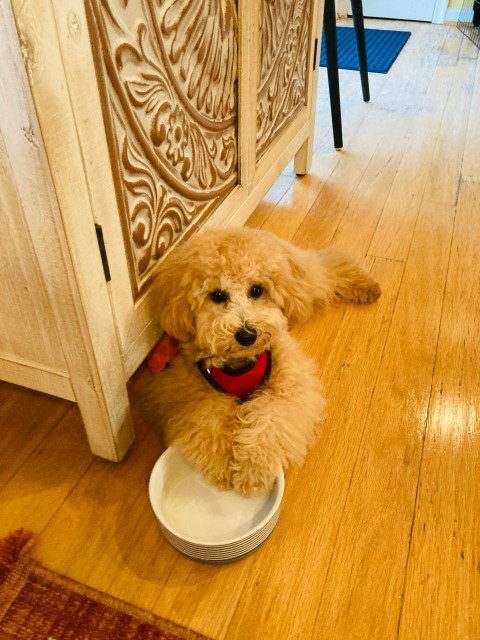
<point x="282" y="85"/>
<point x="167" y="72"/>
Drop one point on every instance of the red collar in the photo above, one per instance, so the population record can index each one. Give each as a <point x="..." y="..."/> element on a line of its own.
<point x="241" y="384"/>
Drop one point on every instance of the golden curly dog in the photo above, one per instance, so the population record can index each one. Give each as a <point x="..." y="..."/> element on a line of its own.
<point x="241" y="400"/>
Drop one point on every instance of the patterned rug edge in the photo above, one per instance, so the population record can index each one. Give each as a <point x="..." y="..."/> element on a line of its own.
<point x="17" y="567"/>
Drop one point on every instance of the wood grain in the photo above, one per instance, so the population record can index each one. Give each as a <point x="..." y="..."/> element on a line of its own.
<point x="443" y="573"/>
<point x="378" y="536"/>
<point x="379" y="507"/>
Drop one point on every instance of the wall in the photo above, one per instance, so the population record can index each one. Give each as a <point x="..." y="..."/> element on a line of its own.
<point x="454" y="8"/>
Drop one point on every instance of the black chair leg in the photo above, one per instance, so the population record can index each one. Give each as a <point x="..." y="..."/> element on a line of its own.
<point x="330" y="35"/>
<point x="357" y="15"/>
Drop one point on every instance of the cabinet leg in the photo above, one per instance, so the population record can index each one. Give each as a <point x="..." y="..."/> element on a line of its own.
<point x="302" y="161"/>
<point x="107" y="420"/>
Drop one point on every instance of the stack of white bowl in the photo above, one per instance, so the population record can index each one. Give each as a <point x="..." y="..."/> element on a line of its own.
<point x="203" y="522"/>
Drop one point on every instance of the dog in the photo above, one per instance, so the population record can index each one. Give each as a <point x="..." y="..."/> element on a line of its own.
<point x="240" y="400"/>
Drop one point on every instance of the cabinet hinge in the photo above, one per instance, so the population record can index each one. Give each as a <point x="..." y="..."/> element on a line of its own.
<point x="103" y="252"/>
<point x="315" y="48"/>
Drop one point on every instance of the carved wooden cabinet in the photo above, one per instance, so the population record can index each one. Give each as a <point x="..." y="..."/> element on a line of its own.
<point x="131" y="123"/>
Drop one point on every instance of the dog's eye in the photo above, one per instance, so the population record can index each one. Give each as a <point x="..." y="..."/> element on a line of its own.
<point x="256" y="291"/>
<point x="218" y="296"/>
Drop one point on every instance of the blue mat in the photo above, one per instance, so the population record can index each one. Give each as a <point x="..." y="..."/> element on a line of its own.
<point x="383" y="46"/>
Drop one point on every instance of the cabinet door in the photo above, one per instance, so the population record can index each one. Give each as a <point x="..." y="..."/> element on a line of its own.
<point x="175" y="82"/>
<point x="162" y="116"/>
<point x="167" y="74"/>
<point x="284" y="61"/>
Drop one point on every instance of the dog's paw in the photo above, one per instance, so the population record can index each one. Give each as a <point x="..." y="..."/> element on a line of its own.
<point x="219" y="477"/>
<point x="251" y="481"/>
<point x="360" y="288"/>
<point x="369" y="293"/>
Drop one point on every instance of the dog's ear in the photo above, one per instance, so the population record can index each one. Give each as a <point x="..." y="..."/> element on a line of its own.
<point x="312" y="279"/>
<point x="301" y="283"/>
<point x="171" y="297"/>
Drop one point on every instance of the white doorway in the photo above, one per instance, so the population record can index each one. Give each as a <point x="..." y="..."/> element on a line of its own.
<point x="421" y="10"/>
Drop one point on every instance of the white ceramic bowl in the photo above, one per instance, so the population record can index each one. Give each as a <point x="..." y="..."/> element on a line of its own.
<point x="203" y="522"/>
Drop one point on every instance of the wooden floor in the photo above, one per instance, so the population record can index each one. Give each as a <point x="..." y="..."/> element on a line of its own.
<point x="379" y="536"/>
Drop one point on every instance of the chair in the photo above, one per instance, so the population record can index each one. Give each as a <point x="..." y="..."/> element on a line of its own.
<point x="330" y="35"/>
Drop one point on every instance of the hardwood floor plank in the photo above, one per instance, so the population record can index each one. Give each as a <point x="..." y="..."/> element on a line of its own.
<point x="26" y="419"/>
<point x="363" y="590"/>
<point x="471" y="158"/>
<point x="354" y="110"/>
<point x="410" y="76"/>
<point x="49" y="472"/>
<point x="445" y="170"/>
<point x="442" y="592"/>
<point x="271" y="199"/>
<point x="195" y="591"/>
<point x="98" y="510"/>
<point x="357" y="225"/>
<point x="322" y="218"/>
<point x="376" y="131"/>
<point x="292" y="208"/>
<point x="142" y="559"/>
<point x="288" y="574"/>
<point x="396" y="226"/>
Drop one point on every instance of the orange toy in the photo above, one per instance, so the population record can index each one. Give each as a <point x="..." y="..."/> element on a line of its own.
<point x="162" y="353"/>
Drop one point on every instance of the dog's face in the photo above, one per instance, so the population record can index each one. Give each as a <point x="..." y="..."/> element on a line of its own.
<point x="227" y="295"/>
<point x="237" y="316"/>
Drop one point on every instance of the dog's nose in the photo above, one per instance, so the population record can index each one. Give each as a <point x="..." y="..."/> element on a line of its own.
<point x="246" y="336"/>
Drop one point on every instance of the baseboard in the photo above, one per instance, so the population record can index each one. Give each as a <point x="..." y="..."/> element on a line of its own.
<point x="453" y="14"/>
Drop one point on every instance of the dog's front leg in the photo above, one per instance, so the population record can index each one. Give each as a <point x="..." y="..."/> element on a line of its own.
<point x="211" y="455"/>
<point x="271" y="439"/>
<point x="252" y="474"/>
<point x="203" y="433"/>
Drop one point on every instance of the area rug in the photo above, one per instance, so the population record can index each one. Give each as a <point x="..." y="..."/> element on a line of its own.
<point x="38" y="604"/>
<point x="383" y="47"/>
